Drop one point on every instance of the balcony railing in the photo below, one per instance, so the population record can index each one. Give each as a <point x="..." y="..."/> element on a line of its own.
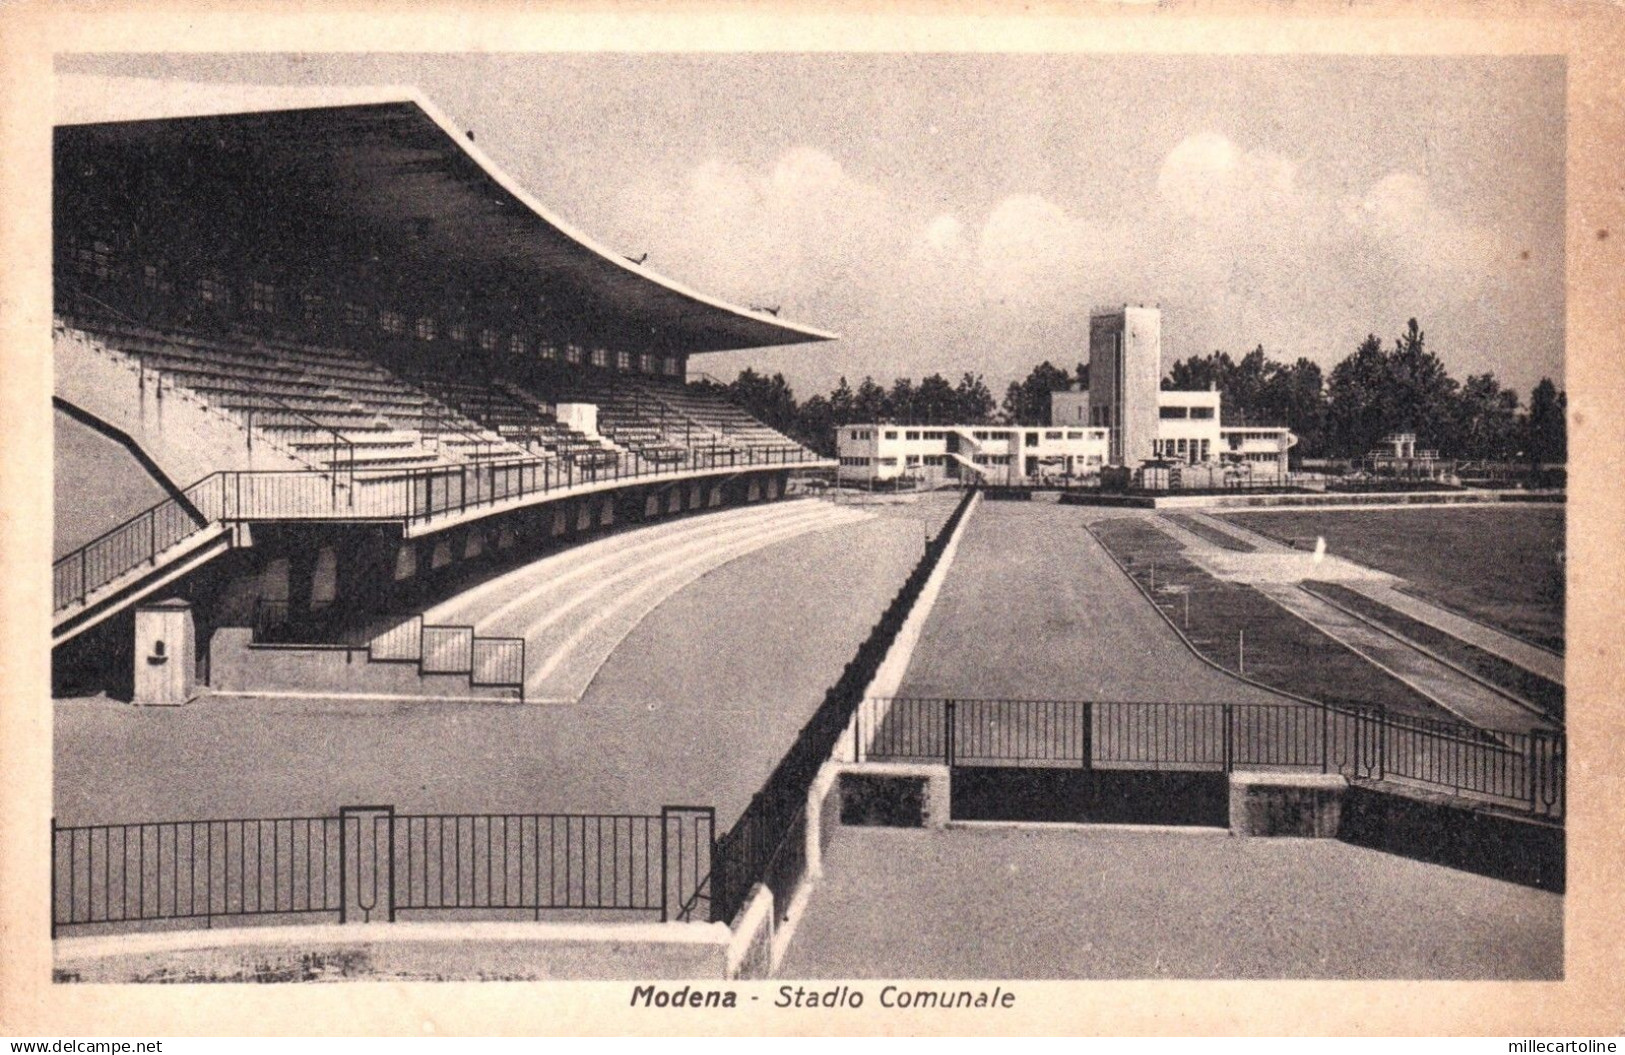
<point x="413" y="496"/>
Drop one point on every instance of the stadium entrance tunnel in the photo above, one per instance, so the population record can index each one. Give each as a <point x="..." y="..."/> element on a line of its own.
<point x="1090" y="796"/>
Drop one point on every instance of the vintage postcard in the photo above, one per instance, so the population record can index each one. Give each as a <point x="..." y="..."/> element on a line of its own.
<point x="616" y="521"/>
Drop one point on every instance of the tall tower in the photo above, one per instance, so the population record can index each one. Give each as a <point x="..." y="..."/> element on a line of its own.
<point x="1125" y="372"/>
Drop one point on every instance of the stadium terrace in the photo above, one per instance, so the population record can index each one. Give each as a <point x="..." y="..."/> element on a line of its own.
<point x="340" y="349"/>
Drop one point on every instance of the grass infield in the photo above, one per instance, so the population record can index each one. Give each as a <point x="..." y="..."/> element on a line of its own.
<point x="1502" y="565"/>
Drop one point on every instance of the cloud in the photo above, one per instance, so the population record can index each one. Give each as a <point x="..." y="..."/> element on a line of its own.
<point x="1209" y="179"/>
<point x="1234" y="242"/>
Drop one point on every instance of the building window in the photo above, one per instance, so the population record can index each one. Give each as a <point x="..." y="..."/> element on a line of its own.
<point x="392" y="322"/>
<point x="911" y="435"/>
<point x="1171" y="413"/>
<point x="1032" y="439"/>
<point x="93" y="259"/>
<point x="310" y="306"/>
<point x="1052" y="435"/>
<point x="458" y="331"/>
<point x="673" y="367"/>
<point x="1074" y="435"/>
<point x="149" y="276"/>
<point x="572" y="354"/>
<point x="488" y="339"/>
<point x="623" y="360"/>
<point x="261" y="296"/>
<point x="548" y="351"/>
<point x="424" y="328"/>
<point x="516" y="344"/>
<point x="355" y="314"/>
<point x="913" y="459"/>
<point x="212" y="289"/>
<point x="600" y="357"/>
<point x="1202" y="413"/>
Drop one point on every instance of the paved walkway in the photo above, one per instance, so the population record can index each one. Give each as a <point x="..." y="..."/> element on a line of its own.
<point x="1104" y="903"/>
<point x="697" y="705"/>
<point x="1033" y="607"/>
<point x="573" y="609"/>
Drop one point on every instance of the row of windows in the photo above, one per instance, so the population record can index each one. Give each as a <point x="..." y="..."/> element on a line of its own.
<point x="1180" y="448"/>
<point x="1181" y="413"/>
<point x="929" y="459"/>
<point x="855" y="462"/>
<point x="96" y="259"/>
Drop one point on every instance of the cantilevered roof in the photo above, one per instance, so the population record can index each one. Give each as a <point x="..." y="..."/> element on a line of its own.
<point x="383" y="175"/>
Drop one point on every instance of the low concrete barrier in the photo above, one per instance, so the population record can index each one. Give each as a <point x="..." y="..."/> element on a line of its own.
<point x="1447" y="831"/>
<point x="240" y="667"/>
<point x="752" y="945"/>
<point x="1301" y="804"/>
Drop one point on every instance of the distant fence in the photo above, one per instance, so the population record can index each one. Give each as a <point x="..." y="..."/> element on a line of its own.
<point x="767" y="843"/>
<point x="370" y="864"/>
<point x="1524" y="771"/>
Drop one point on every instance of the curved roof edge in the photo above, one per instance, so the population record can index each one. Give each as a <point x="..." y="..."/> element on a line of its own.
<point x="102" y="100"/>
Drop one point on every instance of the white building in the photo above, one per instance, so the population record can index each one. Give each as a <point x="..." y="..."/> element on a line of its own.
<point x="1123" y="418"/>
<point x="989" y="454"/>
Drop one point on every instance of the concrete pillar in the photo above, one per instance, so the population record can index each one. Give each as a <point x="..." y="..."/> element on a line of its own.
<point x="165" y="654"/>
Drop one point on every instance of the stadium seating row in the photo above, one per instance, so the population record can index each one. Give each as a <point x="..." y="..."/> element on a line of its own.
<point x="335" y="410"/>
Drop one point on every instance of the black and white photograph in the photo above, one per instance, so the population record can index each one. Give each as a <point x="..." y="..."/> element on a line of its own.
<point x="893" y="525"/>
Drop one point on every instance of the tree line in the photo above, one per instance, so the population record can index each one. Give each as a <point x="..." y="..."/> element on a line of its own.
<point x="1374" y="391"/>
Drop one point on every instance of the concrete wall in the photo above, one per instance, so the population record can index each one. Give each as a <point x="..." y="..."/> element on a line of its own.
<point x="240" y="667"/>
<point x="183" y="436"/>
<point x="1309" y="805"/>
<point x="1446" y="831"/>
<point x="401" y="951"/>
<point x="754" y="937"/>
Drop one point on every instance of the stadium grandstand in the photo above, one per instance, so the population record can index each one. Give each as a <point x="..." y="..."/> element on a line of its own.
<point x="307" y="355"/>
<point x="352" y="433"/>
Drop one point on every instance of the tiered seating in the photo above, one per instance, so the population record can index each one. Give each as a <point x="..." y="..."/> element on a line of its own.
<point x="328" y="407"/>
<point x="519" y="419"/>
<point x="641" y="424"/>
<point x="734" y="426"/>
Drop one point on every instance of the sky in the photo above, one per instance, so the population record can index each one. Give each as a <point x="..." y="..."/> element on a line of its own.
<point x="952" y="213"/>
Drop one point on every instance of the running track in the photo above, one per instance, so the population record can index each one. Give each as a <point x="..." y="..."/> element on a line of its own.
<point x="574" y="608"/>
